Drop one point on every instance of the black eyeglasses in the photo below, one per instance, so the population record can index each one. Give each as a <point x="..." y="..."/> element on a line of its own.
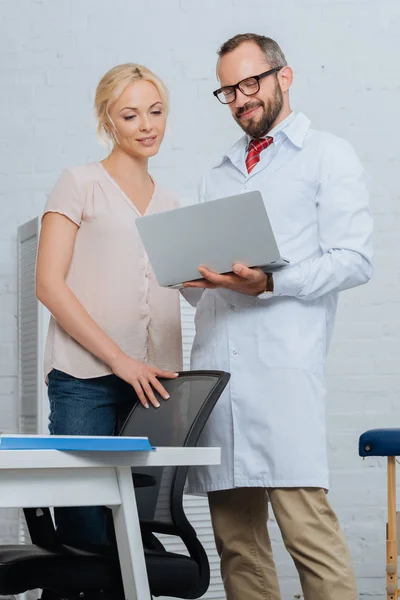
<point x="248" y="87"/>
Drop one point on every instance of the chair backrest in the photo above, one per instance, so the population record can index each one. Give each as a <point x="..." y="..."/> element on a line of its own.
<point x="178" y="422"/>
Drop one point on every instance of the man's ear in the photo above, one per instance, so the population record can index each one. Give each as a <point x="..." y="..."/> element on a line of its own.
<point x="285" y="78"/>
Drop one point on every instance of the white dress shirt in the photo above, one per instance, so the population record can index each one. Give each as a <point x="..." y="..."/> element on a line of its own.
<point x="270" y="422"/>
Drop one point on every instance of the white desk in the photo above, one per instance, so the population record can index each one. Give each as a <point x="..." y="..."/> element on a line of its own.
<point x="31" y="478"/>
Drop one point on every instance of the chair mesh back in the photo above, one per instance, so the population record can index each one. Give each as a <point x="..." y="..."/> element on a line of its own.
<point x="178" y="422"/>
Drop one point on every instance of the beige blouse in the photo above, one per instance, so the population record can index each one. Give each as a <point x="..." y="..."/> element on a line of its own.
<point x="111" y="276"/>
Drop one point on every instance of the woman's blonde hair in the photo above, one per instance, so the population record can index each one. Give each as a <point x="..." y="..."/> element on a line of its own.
<point x="111" y="86"/>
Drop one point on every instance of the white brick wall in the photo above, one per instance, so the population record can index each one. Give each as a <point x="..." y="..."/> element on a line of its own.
<point x="345" y="55"/>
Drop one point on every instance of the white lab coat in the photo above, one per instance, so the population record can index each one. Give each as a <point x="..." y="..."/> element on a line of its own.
<point x="270" y="423"/>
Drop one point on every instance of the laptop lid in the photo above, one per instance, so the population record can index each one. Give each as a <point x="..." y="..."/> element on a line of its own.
<point x="215" y="234"/>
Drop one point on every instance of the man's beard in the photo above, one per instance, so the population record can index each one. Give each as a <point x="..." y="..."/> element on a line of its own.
<point x="271" y="111"/>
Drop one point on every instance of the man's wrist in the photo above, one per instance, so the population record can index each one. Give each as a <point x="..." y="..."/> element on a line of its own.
<point x="263" y="285"/>
<point x="268" y="287"/>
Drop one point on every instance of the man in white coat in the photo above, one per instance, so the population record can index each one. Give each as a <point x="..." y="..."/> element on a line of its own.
<point x="272" y="332"/>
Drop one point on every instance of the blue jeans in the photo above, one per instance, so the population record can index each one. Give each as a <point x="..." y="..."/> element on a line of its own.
<point x="86" y="407"/>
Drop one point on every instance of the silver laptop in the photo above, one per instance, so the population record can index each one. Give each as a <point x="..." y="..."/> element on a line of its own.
<point x="215" y="234"/>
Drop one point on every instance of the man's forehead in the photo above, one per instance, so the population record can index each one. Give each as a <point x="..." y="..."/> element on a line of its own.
<point x="232" y="71"/>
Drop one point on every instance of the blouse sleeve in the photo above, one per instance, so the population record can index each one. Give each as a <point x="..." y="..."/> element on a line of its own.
<point x="67" y="198"/>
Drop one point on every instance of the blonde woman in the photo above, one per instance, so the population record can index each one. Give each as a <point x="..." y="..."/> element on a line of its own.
<point x="113" y="330"/>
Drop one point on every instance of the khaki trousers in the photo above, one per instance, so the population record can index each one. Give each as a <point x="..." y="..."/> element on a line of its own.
<point x="311" y="534"/>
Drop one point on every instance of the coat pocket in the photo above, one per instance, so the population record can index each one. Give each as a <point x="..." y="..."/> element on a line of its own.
<point x="291" y="334"/>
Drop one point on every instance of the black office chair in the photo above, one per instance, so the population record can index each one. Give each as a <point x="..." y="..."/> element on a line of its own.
<point x="70" y="573"/>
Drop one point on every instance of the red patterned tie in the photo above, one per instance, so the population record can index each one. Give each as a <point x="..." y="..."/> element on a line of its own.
<point x="255" y="149"/>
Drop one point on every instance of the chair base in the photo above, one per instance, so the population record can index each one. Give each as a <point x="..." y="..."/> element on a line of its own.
<point x="67" y="572"/>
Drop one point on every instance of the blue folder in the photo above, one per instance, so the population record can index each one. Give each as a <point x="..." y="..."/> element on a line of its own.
<point x="75" y="443"/>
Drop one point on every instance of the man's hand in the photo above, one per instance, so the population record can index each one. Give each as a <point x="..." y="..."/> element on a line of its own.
<point x="243" y="280"/>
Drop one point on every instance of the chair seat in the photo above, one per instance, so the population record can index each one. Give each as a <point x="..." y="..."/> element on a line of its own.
<point x="28" y="567"/>
<point x="380" y="442"/>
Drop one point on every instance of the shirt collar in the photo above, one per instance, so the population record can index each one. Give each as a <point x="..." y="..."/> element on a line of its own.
<point x="294" y="127"/>
<point x="280" y="127"/>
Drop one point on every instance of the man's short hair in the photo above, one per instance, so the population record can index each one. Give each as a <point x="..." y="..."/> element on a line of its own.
<point x="271" y="49"/>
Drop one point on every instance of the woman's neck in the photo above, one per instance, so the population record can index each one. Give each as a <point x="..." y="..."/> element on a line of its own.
<point x="124" y="167"/>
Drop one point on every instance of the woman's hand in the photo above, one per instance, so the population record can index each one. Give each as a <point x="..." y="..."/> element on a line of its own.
<point x="142" y="377"/>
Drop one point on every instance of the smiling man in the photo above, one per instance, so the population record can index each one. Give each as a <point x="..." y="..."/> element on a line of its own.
<point x="272" y="332"/>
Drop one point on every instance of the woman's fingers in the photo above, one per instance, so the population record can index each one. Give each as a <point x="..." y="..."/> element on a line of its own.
<point x="148" y="382"/>
<point x="139" y="392"/>
<point x="159" y="388"/>
<point x="165" y="374"/>
<point x="148" y="390"/>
